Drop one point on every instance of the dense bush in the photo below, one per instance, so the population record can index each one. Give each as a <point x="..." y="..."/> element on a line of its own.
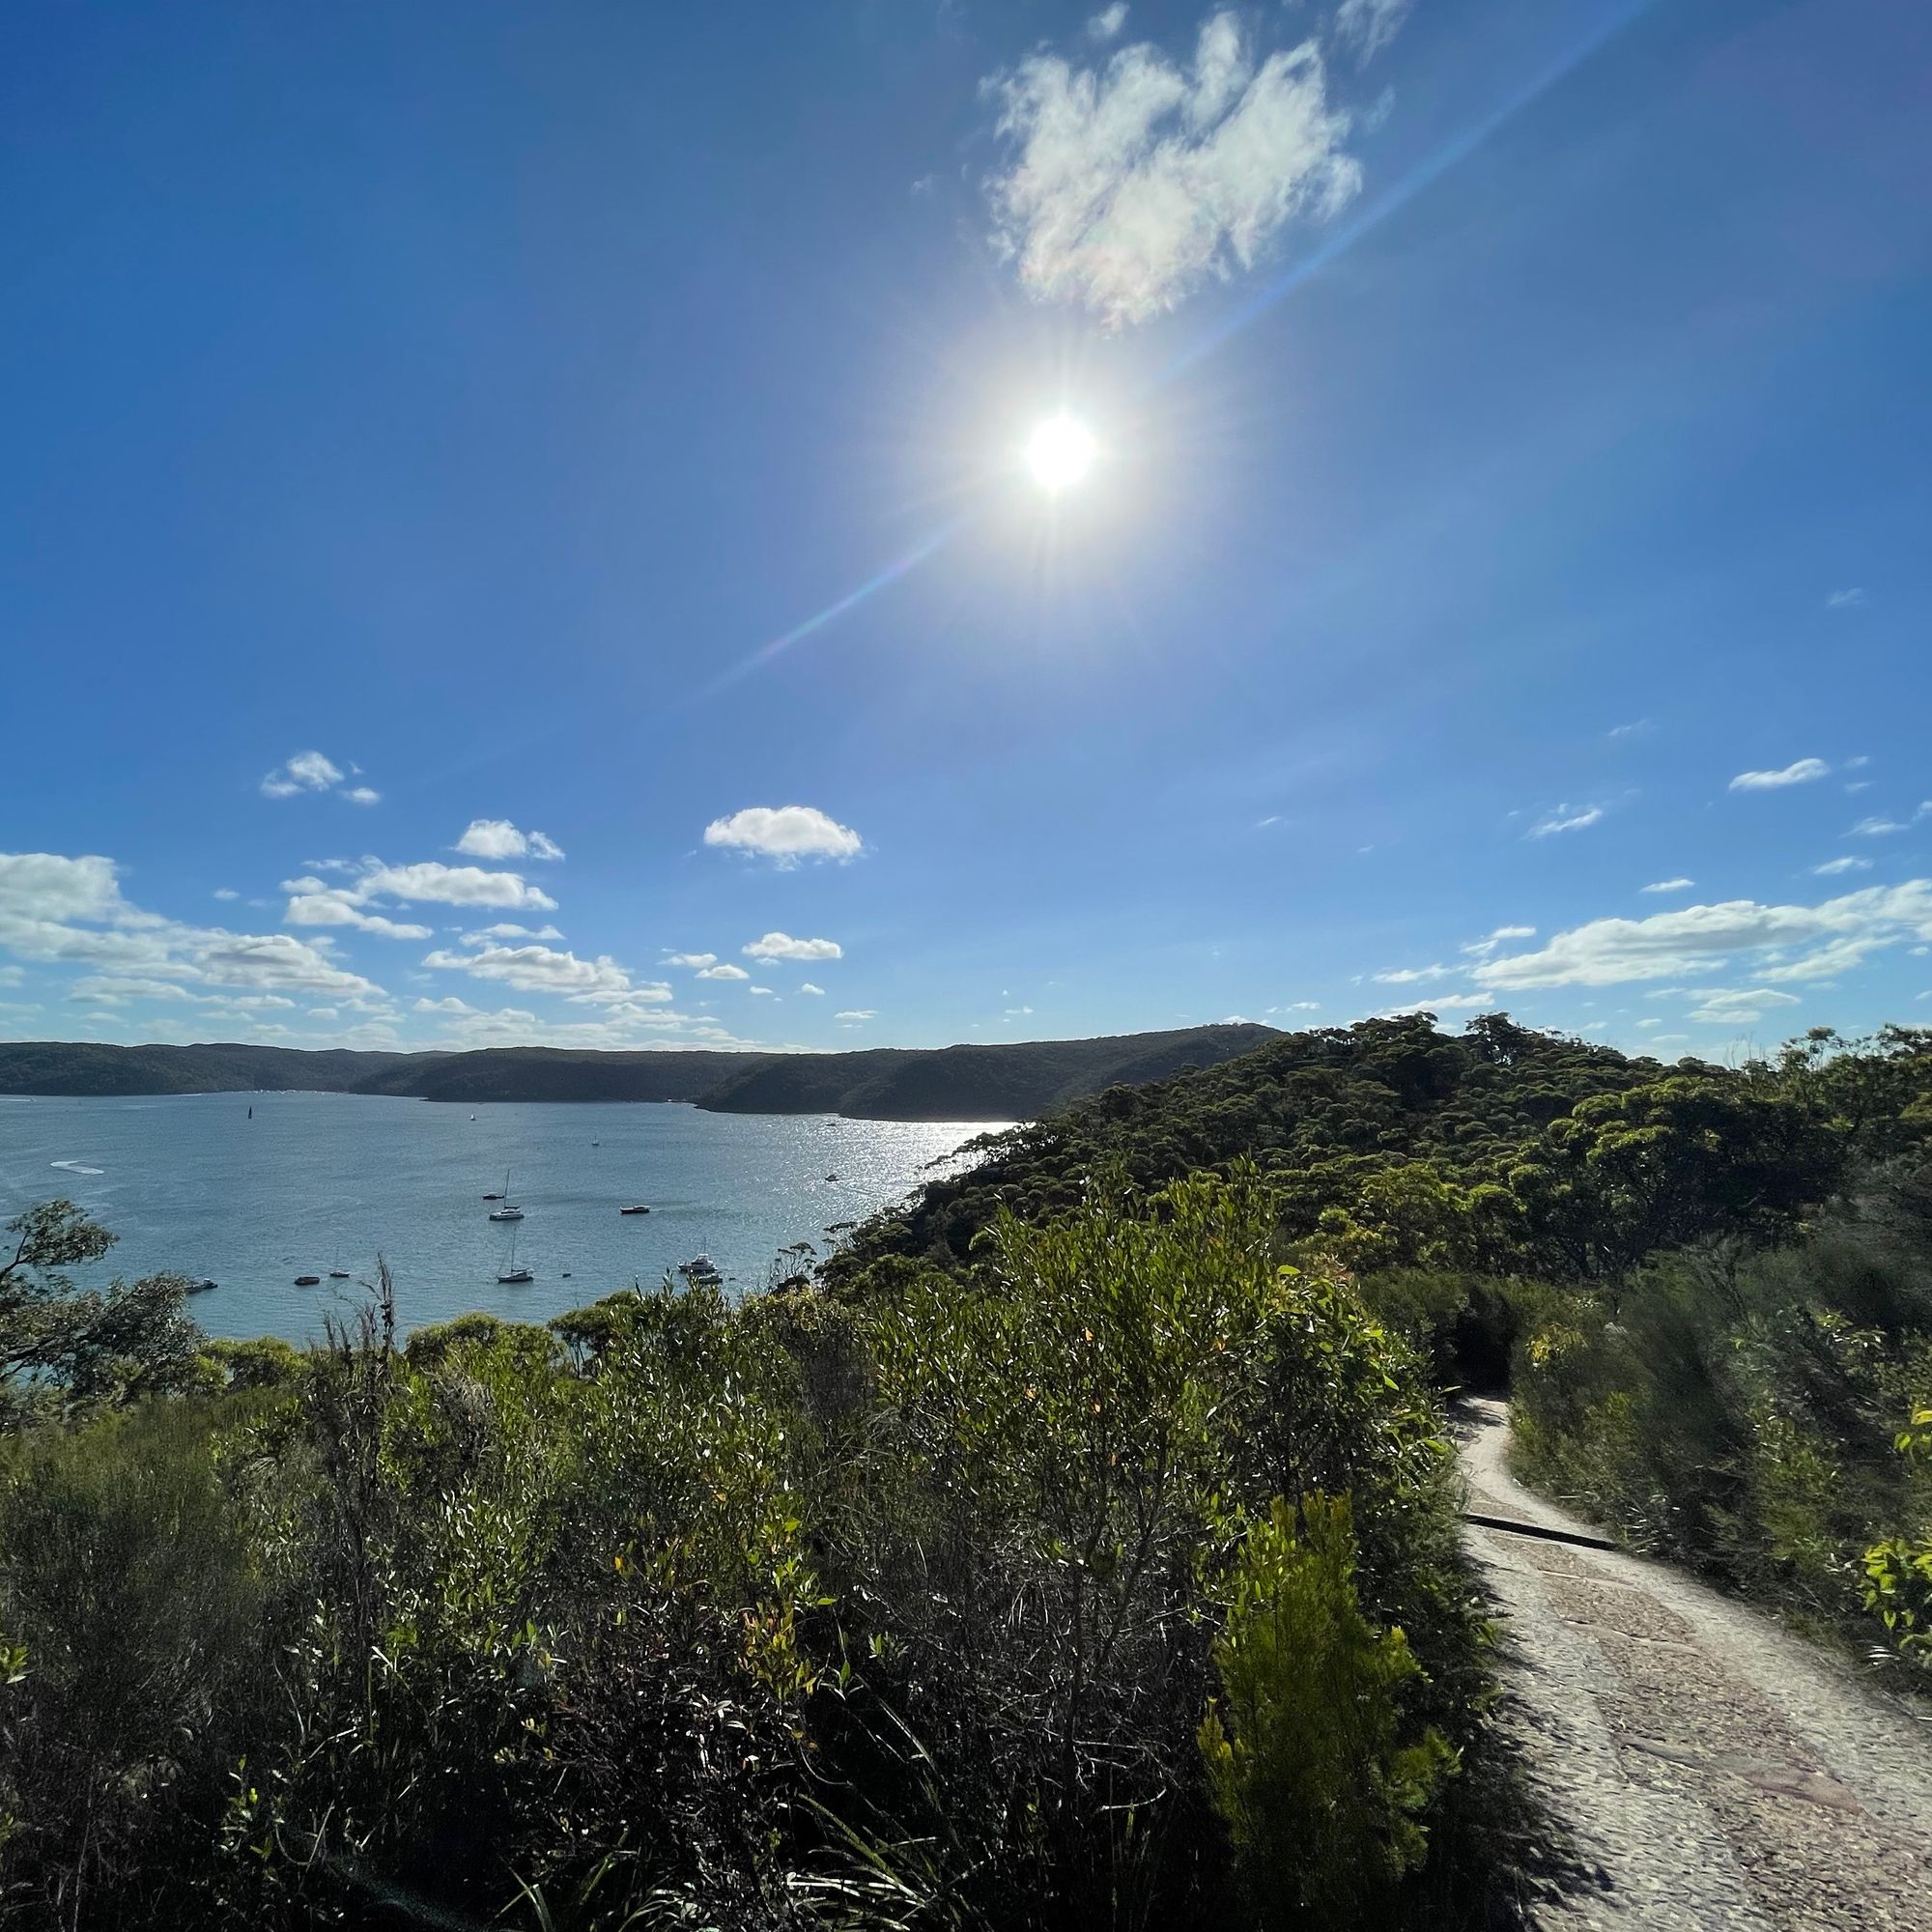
<point x="894" y="1608"/>
<point x="1760" y="1412"/>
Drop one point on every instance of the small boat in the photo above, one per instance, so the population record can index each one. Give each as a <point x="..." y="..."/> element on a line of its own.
<point x="832" y="1177"/>
<point x="338" y="1274"/>
<point x="634" y="1208"/>
<point x="701" y="1267"/>
<point x="201" y="1287"/>
<point x="511" y="1273"/>
<point x="505" y="1212"/>
<point x="308" y="1281"/>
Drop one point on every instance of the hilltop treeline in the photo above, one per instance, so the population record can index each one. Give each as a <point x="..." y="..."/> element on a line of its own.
<point x="1013" y="1080"/>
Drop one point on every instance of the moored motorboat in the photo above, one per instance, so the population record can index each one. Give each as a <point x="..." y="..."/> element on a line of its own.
<point x="636" y="1207"/>
<point x="308" y="1281"/>
<point x="701" y="1267"/>
<point x="201" y="1287"/>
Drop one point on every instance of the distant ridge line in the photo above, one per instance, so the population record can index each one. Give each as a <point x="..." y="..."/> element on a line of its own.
<point x="1005" y="1081"/>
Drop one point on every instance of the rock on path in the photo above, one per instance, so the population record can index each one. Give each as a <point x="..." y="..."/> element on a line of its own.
<point x="1719" y="1772"/>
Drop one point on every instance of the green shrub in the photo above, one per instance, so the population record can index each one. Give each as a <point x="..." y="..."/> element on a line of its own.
<point x="1304" y="1745"/>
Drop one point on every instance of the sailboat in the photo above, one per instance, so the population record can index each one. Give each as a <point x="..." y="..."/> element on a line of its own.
<point x="511" y="1273"/>
<point x="507" y="1212"/>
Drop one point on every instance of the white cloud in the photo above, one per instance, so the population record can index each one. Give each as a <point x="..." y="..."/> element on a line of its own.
<point x="1108" y="23"/>
<point x="1671" y="886"/>
<point x="312" y="772"/>
<point x="1845" y="599"/>
<point x="766" y="991"/>
<point x="1804" y="771"/>
<point x="1563" y="819"/>
<point x="725" y="972"/>
<point x="856" y="1013"/>
<point x="785" y="833"/>
<point x="226" y="893"/>
<point x="1409" y="976"/>
<point x="1699" y="939"/>
<point x="1441" y="1003"/>
<point x="1130" y="185"/>
<point x="692" y="959"/>
<point x="1636" y="728"/>
<point x="55" y="909"/>
<point x="781" y="946"/>
<point x="541" y="969"/>
<point x="1880" y="828"/>
<point x="1831" y="868"/>
<point x="1298" y="1006"/>
<point x="312" y="903"/>
<point x="809" y="987"/>
<point x="498" y="839"/>
<point x="438" y="884"/>
<point x="451" y="1004"/>
<point x="1481" y="948"/>
<point x="1743" y="1008"/>
<point x="1369" y="25"/>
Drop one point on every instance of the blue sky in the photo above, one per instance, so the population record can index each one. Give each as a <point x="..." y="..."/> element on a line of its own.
<point x="1502" y="580"/>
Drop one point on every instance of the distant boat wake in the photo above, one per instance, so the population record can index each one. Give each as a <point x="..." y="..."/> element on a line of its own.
<point x="75" y="1167"/>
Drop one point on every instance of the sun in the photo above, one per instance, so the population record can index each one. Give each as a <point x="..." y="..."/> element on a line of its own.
<point x="1060" y="453"/>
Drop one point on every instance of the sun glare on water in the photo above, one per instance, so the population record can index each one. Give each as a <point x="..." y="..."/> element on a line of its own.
<point x="1060" y="453"/>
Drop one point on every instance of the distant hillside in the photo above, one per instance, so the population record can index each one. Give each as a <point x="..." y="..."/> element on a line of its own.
<point x="1015" y="1082"/>
<point x="85" y="1066"/>
<point x="1009" y="1082"/>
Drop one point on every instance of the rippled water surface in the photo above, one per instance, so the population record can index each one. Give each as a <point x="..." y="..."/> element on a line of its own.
<point x="316" y="1182"/>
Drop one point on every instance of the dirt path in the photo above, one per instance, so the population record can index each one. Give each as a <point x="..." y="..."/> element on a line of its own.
<point x="1719" y="1772"/>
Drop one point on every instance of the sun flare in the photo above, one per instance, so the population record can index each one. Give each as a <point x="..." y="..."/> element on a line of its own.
<point x="1060" y="453"/>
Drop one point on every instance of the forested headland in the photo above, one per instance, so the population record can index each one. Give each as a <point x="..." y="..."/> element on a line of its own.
<point x="1010" y="1080"/>
<point x="1076" y="1546"/>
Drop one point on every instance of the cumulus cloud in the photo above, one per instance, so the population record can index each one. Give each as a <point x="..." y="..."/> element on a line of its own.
<point x="1700" y="939"/>
<point x="438" y="884"/>
<point x="1804" y="771"/>
<point x="543" y="969"/>
<point x="1441" y="1003"/>
<point x="807" y="987"/>
<point x="784" y="833"/>
<point x="781" y="946"/>
<point x="226" y="893"/>
<point x="1368" y="26"/>
<point x="691" y="959"/>
<point x="313" y="904"/>
<point x="1563" y="819"/>
<point x="1671" y="886"/>
<point x="1106" y="24"/>
<point x="498" y="839"/>
<point x="508" y="928"/>
<point x="313" y="772"/>
<point x="723" y="972"/>
<point x="1833" y="867"/>
<point x="56" y="910"/>
<point x="1130" y="185"/>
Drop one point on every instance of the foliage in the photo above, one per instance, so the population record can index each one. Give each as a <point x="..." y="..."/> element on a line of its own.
<point x="805" y="1611"/>
<point x="1304" y="1763"/>
<point x="1740" y="1410"/>
<point x="68" y="1351"/>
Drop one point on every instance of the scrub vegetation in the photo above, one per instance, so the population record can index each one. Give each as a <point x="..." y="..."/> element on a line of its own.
<point x="1076" y="1548"/>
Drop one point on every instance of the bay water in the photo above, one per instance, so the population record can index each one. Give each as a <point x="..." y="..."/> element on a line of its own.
<point x="318" y="1182"/>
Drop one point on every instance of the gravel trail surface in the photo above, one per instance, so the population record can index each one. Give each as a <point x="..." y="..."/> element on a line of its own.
<point x="1715" y="1771"/>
